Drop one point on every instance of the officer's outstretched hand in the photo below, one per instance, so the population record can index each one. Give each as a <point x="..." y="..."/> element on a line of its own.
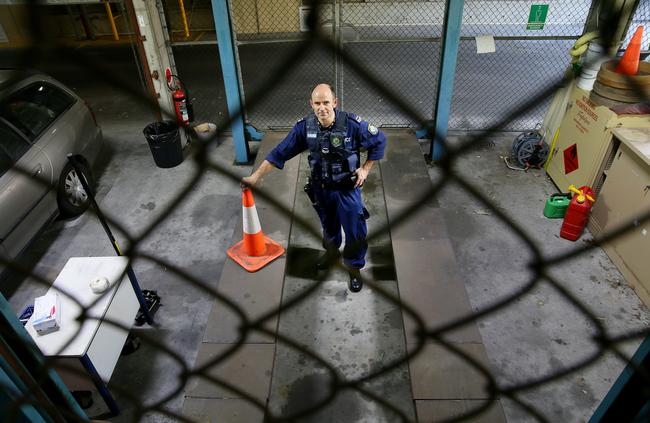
<point x="248" y="181"/>
<point x="362" y="175"/>
<point x="251" y="181"/>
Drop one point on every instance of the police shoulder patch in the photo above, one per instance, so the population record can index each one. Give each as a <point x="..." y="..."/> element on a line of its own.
<point x="372" y="129"/>
<point x="354" y="117"/>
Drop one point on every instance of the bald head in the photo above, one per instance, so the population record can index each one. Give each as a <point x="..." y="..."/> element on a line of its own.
<point x="322" y="89"/>
<point x="323" y="102"/>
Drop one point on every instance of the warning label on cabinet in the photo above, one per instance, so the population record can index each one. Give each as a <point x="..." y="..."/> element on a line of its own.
<point x="570" y="159"/>
<point x="585" y="115"/>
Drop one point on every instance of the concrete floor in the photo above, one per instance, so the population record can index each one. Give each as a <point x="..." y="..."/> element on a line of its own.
<point x="536" y="334"/>
<point x="540" y="332"/>
<point x="132" y="191"/>
<point x="357" y="334"/>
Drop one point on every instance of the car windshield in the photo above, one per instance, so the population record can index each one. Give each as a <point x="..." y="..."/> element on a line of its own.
<point x="34" y="108"/>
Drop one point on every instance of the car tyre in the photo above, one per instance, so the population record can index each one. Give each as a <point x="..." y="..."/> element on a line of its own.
<point x="71" y="196"/>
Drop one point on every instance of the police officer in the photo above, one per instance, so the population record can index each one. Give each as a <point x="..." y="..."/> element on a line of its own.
<point x="334" y="139"/>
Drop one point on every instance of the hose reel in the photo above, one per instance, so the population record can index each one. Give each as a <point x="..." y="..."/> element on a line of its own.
<point x="530" y="150"/>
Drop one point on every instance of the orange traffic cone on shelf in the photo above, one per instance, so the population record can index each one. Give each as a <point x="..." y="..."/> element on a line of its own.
<point x="256" y="250"/>
<point x="629" y="63"/>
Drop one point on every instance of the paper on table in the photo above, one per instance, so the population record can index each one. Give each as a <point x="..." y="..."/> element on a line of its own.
<point x="485" y="44"/>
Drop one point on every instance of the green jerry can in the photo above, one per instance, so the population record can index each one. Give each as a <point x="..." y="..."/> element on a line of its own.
<point x="557" y="204"/>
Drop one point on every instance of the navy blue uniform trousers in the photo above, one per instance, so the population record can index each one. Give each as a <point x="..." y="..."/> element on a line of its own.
<point x="343" y="209"/>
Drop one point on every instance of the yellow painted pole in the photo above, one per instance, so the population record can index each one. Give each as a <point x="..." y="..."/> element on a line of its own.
<point x="181" y="5"/>
<point x="111" y="19"/>
<point x="550" y="151"/>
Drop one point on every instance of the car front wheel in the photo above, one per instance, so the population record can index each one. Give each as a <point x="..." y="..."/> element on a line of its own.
<point x="72" y="198"/>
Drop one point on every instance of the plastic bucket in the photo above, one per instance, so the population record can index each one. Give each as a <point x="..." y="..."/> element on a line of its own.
<point x="205" y="131"/>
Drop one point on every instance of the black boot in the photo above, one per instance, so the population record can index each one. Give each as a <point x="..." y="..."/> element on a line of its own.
<point x="356" y="283"/>
<point x="327" y="259"/>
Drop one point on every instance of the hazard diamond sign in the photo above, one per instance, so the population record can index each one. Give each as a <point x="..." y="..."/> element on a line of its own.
<point x="571" y="159"/>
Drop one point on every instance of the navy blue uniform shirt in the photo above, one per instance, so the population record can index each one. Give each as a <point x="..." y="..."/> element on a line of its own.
<point x="296" y="141"/>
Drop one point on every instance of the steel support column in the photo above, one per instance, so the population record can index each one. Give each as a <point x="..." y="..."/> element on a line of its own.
<point x="223" y="25"/>
<point x="450" y="42"/>
<point x="156" y="54"/>
<point x="627" y="400"/>
<point x="10" y="393"/>
<point x="18" y="338"/>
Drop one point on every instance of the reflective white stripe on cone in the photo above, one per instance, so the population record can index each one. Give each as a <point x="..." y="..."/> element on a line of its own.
<point x="251" y="221"/>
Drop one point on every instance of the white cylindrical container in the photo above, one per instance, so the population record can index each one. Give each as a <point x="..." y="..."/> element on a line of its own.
<point x="594" y="57"/>
<point x="99" y="285"/>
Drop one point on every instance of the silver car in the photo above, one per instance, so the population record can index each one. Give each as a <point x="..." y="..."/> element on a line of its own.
<point x="41" y="122"/>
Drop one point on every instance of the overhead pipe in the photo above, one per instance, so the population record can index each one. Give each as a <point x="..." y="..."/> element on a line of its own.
<point x="181" y="5"/>
<point x="111" y="20"/>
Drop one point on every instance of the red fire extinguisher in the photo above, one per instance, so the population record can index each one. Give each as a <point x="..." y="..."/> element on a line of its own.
<point x="182" y="105"/>
<point x="577" y="213"/>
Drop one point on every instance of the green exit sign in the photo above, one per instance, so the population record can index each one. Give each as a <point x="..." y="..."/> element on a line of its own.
<point x="537" y="16"/>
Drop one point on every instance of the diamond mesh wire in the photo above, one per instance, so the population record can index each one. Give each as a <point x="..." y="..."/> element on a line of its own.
<point x="267" y="34"/>
<point x="539" y="265"/>
<point x="398" y="42"/>
<point x="289" y="102"/>
<point x="412" y="69"/>
<point x="516" y="71"/>
<point x="209" y="102"/>
<point x="391" y="21"/>
<point x="489" y="85"/>
<point x="565" y="18"/>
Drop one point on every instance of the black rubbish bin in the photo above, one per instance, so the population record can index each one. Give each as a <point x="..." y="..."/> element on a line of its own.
<point x="165" y="143"/>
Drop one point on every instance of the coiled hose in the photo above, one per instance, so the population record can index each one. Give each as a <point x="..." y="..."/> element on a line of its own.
<point x="581" y="45"/>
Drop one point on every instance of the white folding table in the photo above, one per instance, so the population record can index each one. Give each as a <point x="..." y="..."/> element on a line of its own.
<point x="94" y="345"/>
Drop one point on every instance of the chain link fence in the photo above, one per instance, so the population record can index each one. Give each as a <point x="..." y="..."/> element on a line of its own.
<point x="267" y="34"/>
<point x="267" y="80"/>
<point x="399" y="42"/>
<point x="489" y="86"/>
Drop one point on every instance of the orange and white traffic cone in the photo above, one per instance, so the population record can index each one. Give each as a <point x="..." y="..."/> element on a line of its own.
<point x="629" y="63"/>
<point x="256" y="250"/>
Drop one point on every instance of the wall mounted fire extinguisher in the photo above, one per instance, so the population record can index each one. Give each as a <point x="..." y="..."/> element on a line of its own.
<point x="180" y="96"/>
<point x="577" y="213"/>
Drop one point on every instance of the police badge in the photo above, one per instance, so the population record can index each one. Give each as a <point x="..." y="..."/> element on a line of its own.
<point x="336" y="142"/>
<point x="372" y="129"/>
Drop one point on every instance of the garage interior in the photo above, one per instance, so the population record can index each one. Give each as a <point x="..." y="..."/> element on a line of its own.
<point x="474" y="306"/>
